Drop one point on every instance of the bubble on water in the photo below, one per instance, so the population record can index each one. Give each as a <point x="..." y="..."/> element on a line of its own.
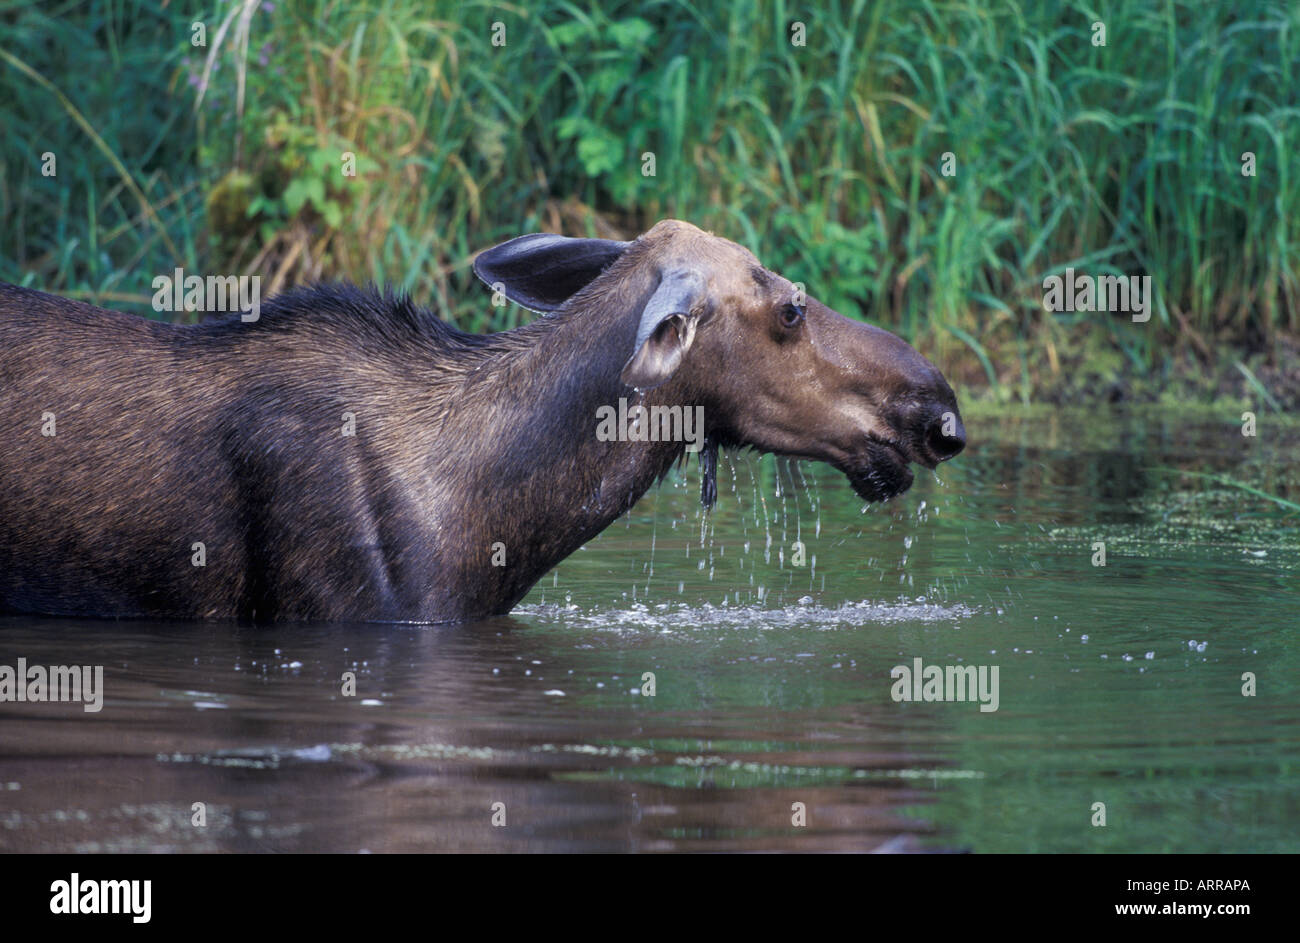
<point x="760" y="615"/>
<point x="1084" y="639"/>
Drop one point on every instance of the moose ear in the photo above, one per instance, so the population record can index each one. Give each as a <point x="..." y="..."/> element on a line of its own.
<point x="541" y="271"/>
<point x="666" y="330"/>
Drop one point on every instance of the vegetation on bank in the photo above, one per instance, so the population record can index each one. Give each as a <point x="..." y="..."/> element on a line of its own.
<point x="471" y="123"/>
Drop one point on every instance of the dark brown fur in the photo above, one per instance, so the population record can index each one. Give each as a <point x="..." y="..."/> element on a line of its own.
<point x="229" y="433"/>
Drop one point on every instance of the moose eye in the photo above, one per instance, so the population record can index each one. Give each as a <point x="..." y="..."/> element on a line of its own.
<point x="791" y="316"/>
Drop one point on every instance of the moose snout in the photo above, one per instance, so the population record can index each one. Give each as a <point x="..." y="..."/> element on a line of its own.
<point x="918" y="409"/>
<point x="935" y="431"/>
<point x="946" y="436"/>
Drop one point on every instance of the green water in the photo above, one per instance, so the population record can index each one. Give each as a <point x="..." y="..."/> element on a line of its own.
<point x="1118" y="684"/>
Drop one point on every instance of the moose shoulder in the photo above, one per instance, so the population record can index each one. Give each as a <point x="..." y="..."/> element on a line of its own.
<point x="350" y="456"/>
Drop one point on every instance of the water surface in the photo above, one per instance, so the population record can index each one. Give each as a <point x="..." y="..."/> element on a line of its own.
<point x="1119" y="684"/>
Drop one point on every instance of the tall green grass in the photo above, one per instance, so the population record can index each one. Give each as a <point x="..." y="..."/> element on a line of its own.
<point x="825" y="158"/>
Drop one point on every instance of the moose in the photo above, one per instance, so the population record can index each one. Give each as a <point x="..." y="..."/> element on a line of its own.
<point x="350" y="456"/>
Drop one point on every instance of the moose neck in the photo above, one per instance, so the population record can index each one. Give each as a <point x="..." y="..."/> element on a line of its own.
<point x="552" y="476"/>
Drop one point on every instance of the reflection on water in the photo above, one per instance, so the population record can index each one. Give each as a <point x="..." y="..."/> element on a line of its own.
<point x="768" y="630"/>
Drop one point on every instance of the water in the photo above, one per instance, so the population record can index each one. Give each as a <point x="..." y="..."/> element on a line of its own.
<point x="1119" y="685"/>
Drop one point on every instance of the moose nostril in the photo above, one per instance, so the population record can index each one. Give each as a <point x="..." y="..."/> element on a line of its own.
<point x="946" y="436"/>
